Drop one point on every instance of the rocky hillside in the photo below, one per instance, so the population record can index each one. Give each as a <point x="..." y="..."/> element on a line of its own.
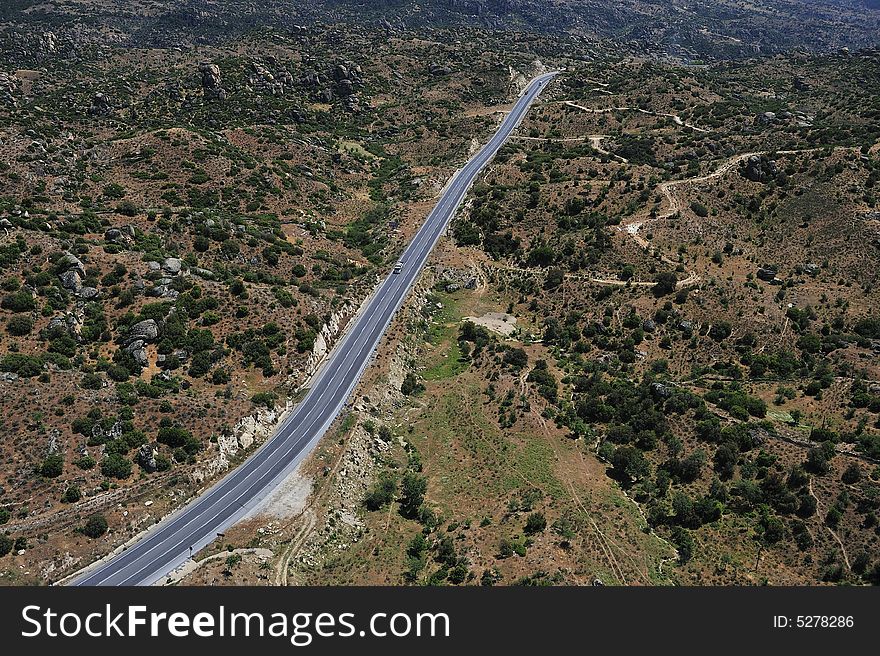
<point x="688" y="32"/>
<point x="182" y="234"/>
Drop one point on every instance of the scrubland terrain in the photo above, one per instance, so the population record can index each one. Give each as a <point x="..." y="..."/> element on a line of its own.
<point x="185" y="233"/>
<point x="645" y="354"/>
<point x="690" y="260"/>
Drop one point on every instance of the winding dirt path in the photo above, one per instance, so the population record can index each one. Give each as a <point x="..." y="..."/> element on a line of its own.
<point x="692" y="279"/>
<point x="830" y="530"/>
<point x="674" y="205"/>
<point x="603" y="110"/>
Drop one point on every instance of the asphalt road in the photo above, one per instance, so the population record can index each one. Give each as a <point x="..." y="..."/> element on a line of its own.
<point x="171" y="542"/>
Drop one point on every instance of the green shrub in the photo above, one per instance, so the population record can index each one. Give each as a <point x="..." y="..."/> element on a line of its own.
<point x="20" y="301"/>
<point x="267" y="399"/>
<point x="114" y="191"/>
<point x="411" y="386"/>
<point x="116" y="466"/>
<point x="699" y="209"/>
<point x="26" y="366"/>
<point x="86" y="462"/>
<point x="173" y="436"/>
<point x="53" y="466"/>
<point x="535" y="523"/>
<point x="413" y="489"/>
<point x="20" y="325"/>
<point x="71" y="494"/>
<point x="95" y="526"/>
<point x="92" y="381"/>
<point x="381" y="493"/>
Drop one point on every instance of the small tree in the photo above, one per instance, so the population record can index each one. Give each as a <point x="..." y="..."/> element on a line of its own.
<point x="630" y="464"/>
<point x="20" y="325"/>
<point x="666" y="282"/>
<point x="817" y="462"/>
<point x="459" y="573"/>
<point x="95" y="526"/>
<point x="516" y="357"/>
<point x="382" y="492"/>
<point x="413" y="490"/>
<point x="446" y="551"/>
<point x="852" y="474"/>
<point x="71" y="494"/>
<point x="535" y="523"/>
<point x="684" y="542"/>
<point x="411" y="386"/>
<point x="720" y="331"/>
<point x="116" y="466"/>
<point x="52" y="466"/>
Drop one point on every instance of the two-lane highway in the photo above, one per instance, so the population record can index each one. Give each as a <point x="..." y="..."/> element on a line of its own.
<point x="170" y="543"/>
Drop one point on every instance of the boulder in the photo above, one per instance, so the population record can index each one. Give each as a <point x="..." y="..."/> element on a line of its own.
<point x="112" y="433"/>
<point x="766" y="274"/>
<point x="353" y="103"/>
<point x="210" y="75"/>
<point x="146" y="330"/>
<point x="211" y="82"/>
<point x="70" y="261"/>
<point x="119" y="235"/>
<point x="63" y="324"/>
<point x="146" y="457"/>
<point x="88" y="293"/>
<point x="172" y="265"/>
<point x="660" y="390"/>
<point x="800" y="84"/>
<point x="56" y="324"/>
<point x="204" y="273"/>
<point x="71" y="280"/>
<point x="311" y="79"/>
<point x="136" y="349"/>
<point x="101" y="105"/>
<point x="758" y="168"/>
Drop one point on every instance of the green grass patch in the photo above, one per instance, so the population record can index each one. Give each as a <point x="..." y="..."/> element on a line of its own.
<point x="448" y="365"/>
<point x="356" y="149"/>
<point x="535" y="461"/>
<point x="446" y="361"/>
<point x="785" y="418"/>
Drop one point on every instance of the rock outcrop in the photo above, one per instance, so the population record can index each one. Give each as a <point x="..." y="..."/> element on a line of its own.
<point x="211" y="81"/>
<point x="146" y="330"/>
<point x="101" y="105"/>
<point x="759" y="168"/>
